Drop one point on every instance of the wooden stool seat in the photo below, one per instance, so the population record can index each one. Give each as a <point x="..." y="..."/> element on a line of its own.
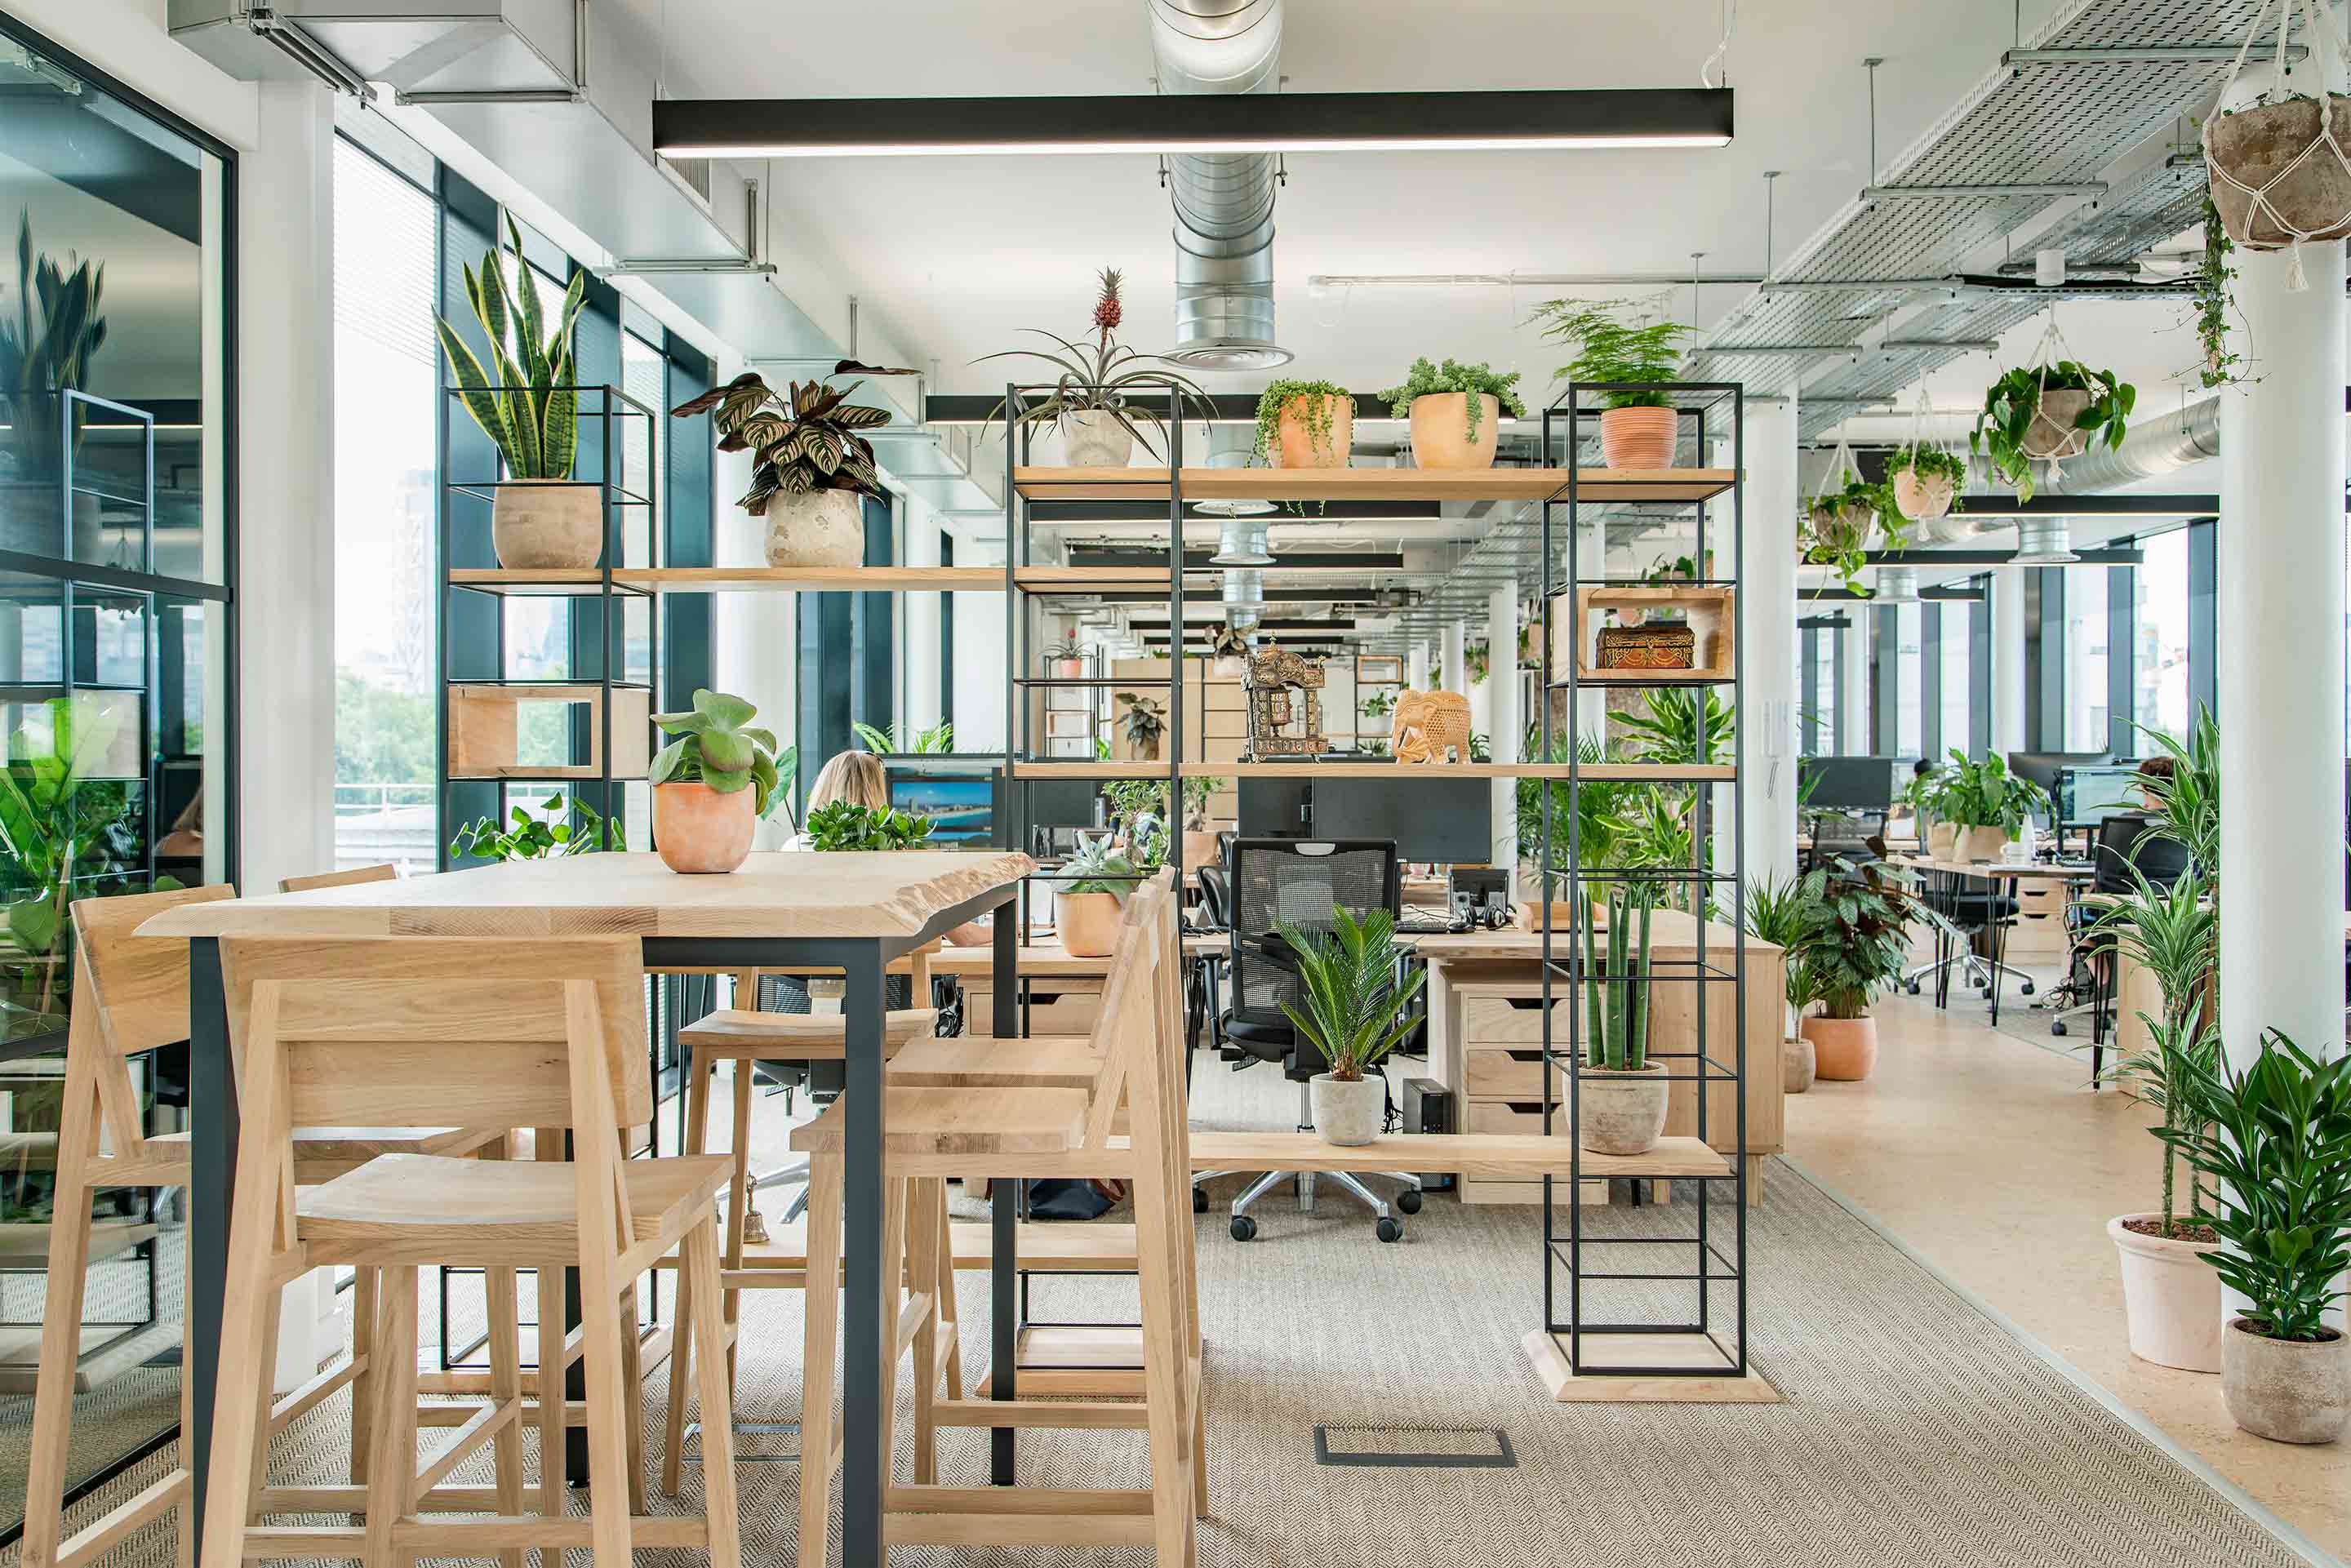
<point x="1054" y="1061"/>
<point x="491" y="1211"/>
<point x="968" y="1123"/>
<point x="797" y="1037"/>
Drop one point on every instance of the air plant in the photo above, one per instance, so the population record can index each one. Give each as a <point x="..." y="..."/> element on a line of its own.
<point x="1096" y="377"/>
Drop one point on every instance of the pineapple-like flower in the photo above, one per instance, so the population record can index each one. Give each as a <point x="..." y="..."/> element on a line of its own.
<point x="1108" y="310"/>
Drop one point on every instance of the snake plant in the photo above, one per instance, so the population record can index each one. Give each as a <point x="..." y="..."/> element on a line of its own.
<point x="46" y="350"/>
<point x="531" y="411"/>
<point x="1617" y="981"/>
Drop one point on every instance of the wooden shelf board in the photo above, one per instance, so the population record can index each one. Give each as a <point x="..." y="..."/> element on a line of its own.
<point x="1593" y="484"/>
<point x="556" y="692"/>
<point x="1598" y="1386"/>
<point x="541" y="580"/>
<point x="1699" y="677"/>
<point x="1063" y="578"/>
<point x="1631" y="595"/>
<point x="812" y="579"/>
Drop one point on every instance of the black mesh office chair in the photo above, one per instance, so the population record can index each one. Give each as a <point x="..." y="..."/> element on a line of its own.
<point x="1298" y="881"/>
<point x="1208" y="975"/>
<point x="2125" y="840"/>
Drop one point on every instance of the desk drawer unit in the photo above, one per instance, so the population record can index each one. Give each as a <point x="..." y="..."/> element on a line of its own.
<point x="2039" y="929"/>
<point x="1502" y="1081"/>
<point x="1066" y="1007"/>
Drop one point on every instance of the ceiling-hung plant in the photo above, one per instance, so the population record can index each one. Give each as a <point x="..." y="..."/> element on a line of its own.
<point x="1843" y="519"/>
<point x="1454" y="409"/>
<point x="1350" y="1009"/>
<point x="1620" y="1093"/>
<point x="1305" y="424"/>
<point x="712" y="784"/>
<point x="811" y="470"/>
<point x="1923" y="480"/>
<point x="2048" y="411"/>
<point x="1092" y="384"/>
<point x="528" y="403"/>
<point x="1476" y="659"/>
<point x="45" y="352"/>
<point x="1617" y="345"/>
<point x="2281" y="164"/>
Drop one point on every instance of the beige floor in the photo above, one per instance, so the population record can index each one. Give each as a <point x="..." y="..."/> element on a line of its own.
<point x="1986" y="1153"/>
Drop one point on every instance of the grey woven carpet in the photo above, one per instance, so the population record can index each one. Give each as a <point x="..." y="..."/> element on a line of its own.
<point x="1916" y="1431"/>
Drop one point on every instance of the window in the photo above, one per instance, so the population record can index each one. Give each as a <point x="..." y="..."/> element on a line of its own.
<point x="2159" y="634"/>
<point x="1900" y="697"/>
<point x="2086" y="660"/>
<point x="1953" y="640"/>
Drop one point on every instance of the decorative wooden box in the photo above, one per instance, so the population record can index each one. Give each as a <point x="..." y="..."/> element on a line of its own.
<point x="1658" y="645"/>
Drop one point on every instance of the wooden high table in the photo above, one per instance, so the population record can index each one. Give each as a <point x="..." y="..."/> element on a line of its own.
<point x="855" y="912"/>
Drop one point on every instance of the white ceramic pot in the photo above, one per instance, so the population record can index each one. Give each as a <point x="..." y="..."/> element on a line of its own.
<point x="1346" y="1113"/>
<point x="2171" y="1296"/>
<point x="1093" y="438"/>
<point x="822" y="527"/>
<point x="2290" y="1391"/>
<point x="537" y="525"/>
<point x="1621" y="1112"/>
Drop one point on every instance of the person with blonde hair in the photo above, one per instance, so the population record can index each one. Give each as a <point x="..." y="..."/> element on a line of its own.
<point x="856" y="777"/>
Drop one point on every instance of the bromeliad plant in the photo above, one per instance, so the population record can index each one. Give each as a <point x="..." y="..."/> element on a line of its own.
<point x="1425" y="380"/>
<point x="1096" y="377"/>
<point x="1610" y="351"/>
<point x="1347" y="980"/>
<point x="531" y="409"/>
<point x="44" y="354"/>
<point x="845" y="825"/>
<point x="2004" y="429"/>
<point x="548" y="835"/>
<point x="716" y="746"/>
<point x="799" y="443"/>
<point x="1616" y="980"/>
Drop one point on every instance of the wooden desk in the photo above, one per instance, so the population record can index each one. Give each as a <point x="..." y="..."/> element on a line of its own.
<point x="2136" y="992"/>
<point x="856" y="912"/>
<point x="1485" y="1036"/>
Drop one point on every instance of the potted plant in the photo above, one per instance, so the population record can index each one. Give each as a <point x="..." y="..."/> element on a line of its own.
<point x="1856" y="933"/>
<point x="1477" y="658"/>
<point x="45" y="353"/>
<point x="840" y="827"/>
<point x="2054" y="410"/>
<point x="1347" y="980"/>
<point x="1200" y="832"/>
<point x="1776" y="912"/>
<point x="2210" y="291"/>
<point x="1089" y="402"/>
<point x="1454" y="409"/>
<point x="1637" y="429"/>
<point x="1142" y="724"/>
<point x="1379" y="704"/>
<point x="1097" y="880"/>
<point x="1621" y="1093"/>
<point x="1985" y="801"/>
<point x="2171" y="1301"/>
<point x="549" y="835"/>
<point x="1305" y="424"/>
<point x="1227" y="646"/>
<point x="1065" y="660"/>
<point x="66" y="825"/>
<point x="1839" y="524"/>
<point x="810" y="468"/>
<point x="2277" y="168"/>
<point x="935" y="740"/>
<point x="2276" y="1139"/>
<point x="712" y="784"/>
<point x="1925" y="481"/>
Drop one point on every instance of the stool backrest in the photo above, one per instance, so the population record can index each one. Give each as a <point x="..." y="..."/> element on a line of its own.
<point x="134" y="989"/>
<point x="1130" y="1034"/>
<point x="387" y="871"/>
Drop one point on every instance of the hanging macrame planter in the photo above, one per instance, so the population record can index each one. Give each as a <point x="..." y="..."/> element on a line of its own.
<point x="1924" y="488"/>
<point x="1840" y="516"/>
<point x="2281" y="167"/>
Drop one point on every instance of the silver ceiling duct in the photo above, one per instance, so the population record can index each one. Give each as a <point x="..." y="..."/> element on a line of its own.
<point x="2153" y="448"/>
<point x="1244" y="597"/>
<point x="1231" y="446"/>
<point x="1223" y="201"/>
<point x="2045" y="541"/>
<point x="1895" y="585"/>
<point x="1244" y="542"/>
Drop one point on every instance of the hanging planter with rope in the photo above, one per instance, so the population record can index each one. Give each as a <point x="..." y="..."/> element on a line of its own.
<point x="2280" y="165"/>
<point x="1925" y="479"/>
<point x="1842" y="517"/>
<point x="2048" y="411"/>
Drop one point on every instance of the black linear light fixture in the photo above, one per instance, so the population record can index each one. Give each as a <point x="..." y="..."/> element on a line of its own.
<point x="1246" y="122"/>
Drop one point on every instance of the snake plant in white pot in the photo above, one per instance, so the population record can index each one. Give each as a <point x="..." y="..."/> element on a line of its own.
<point x="1352" y="1013"/>
<point x="1621" y="1093"/>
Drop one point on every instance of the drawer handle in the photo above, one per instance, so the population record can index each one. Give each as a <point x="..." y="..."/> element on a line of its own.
<point x="1524" y="1004"/>
<point x="1527" y="1056"/>
<point x="1534" y="1107"/>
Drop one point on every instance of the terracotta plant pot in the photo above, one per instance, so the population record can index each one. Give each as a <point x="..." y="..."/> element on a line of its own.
<point x="2290" y="1391"/>
<point x="2171" y="1296"/>
<point x="1923" y="500"/>
<point x="1798" y="1063"/>
<point x="1347" y="1113"/>
<point x="1621" y="1112"/>
<point x="1844" y="1050"/>
<point x="1637" y="437"/>
<point x="2252" y="146"/>
<point x="540" y="523"/>
<point x="1979" y="843"/>
<point x="1093" y="438"/>
<point x="1441" y="424"/>
<point x="1296" y="445"/>
<point x="699" y="831"/>
<point x="2051" y="432"/>
<point x="823" y="527"/>
<point x="1089" y="924"/>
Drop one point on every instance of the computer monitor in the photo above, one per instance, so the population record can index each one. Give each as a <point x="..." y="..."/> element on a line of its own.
<point x="1846" y="783"/>
<point x="2093" y="794"/>
<point x="2042" y="767"/>
<point x="1272" y="808"/>
<point x="1446" y="822"/>
<point x="958" y="797"/>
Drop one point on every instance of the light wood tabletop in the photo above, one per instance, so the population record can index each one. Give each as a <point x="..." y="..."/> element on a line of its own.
<point x="2025" y="870"/>
<point x="784" y="893"/>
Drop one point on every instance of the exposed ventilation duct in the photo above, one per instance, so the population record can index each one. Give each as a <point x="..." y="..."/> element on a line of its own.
<point x="1223" y="201"/>
<point x="2045" y="541"/>
<point x="2153" y="448"/>
<point x="1231" y="446"/>
<point x="1244" y="597"/>
<point x="1895" y="585"/>
<point x="1244" y="542"/>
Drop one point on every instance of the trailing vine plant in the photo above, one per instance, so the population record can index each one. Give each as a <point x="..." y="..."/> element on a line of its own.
<point x="1314" y="414"/>
<point x="2211" y="296"/>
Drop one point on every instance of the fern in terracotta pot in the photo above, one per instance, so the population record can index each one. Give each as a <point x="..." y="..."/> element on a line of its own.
<point x="1351" y="1012"/>
<point x="1637" y="429"/>
<point x="711" y="784"/>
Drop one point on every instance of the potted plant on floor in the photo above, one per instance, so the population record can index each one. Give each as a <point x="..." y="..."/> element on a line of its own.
<point x="1090" y="386"/>
<point x="1096" y="882"/>
<point x="1856" y="933"/>
<point x="1454" y="409"/>
<point x="712" y="784"/>
<point x="45" y="353"/>
<point x="550" y="835"/>
<point x="1777" y="911"/>
<point x="2171" y="1301"/>
<point x="1305" y="424"/>
<point x="1985" y="801"/>
<point x="1925" y="481"/>
<point x="542" y="518"/>
<point x="2048" y="411"/>
<point x="2276" y="1139"/>
<point x="811" y="470"/>
<point x="1621" y="1094"/>
<point x="1351" y="1014"/>
<point x="1637" y="429"/>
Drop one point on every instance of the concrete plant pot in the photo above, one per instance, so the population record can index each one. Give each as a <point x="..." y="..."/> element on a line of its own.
<point x="2051" y="432"/>
<point x="2254" y="146"/>
<point x="1441" y="424"/>
<point x="1346" y="1112"/>
<point x="1087" y="922"/>
<point x="1799" y="1062"/>
<point x="1296" y="445"/>
<point x="2289" y="1391"/>
<point x="2171" y="1296"/>
<point x="700" y="831"/>
<point x="1621" y="1110"/>
<point x="1638" y="437"/>
<point x="822" y="528"/>
<point x="1093" y="438"/>
<point x="1844" y="1050"/>
<point x="538" y="525"/>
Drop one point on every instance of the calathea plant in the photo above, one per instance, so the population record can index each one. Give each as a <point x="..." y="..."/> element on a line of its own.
<point x="802" y="443"/>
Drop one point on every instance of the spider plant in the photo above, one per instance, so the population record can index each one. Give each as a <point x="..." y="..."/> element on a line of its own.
<point x="1097" y="377"/>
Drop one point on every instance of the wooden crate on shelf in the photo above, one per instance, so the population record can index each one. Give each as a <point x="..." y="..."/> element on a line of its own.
<point x="486" y="731"/>
<point x="1709" y="611"/>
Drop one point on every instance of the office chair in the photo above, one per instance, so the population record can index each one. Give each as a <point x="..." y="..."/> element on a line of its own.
<point x="2125" y="840"/>
<point x="1208" y="975"/>
<point x="1298" y="881"/>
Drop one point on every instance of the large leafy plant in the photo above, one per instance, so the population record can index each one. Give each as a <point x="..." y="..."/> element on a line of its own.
<point x="1347" y="980"/>
<point x="1098" y="377"/>
<point x="2173" y="933"/>
<point x="716" y="746"/>
<point x="550" y="835"/>
<point x="2013" y="403"/>
<point x="530" y="409"/>
<point x="1855" y="936"/>
<point x="48" y="353"/>
<point x="62" y="827"/>
<point x="1313" y="411"/>
<point x="845" y="825"/>
<point x="1425" y="380"/>
<point x="2276" y="1139"/>
<point x="800" y="443"/>
<point x="1611" y="351"/>
<point x="1985" y="794"/>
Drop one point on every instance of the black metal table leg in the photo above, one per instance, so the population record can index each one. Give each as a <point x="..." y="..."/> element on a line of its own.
<point x="1999" y="929"/>
<point x="1004" y="1218"/>
<point x="865" y="1466"/>
<point x="213" y="1124"/>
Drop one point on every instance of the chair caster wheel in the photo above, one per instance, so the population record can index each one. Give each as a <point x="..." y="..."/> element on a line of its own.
<point x="1244" y="1228"/>
<point x="1199" y="1200"/>
<point x="1914" y="987"/>
<point x="2027" y="988"/>
<point x="1409" y="1201"/>
<point x="1388" y="1230"/>
<point x="2058" y="1030"/>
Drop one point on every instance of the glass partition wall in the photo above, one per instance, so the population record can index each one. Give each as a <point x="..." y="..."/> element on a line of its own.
<point x="115" y="637"/>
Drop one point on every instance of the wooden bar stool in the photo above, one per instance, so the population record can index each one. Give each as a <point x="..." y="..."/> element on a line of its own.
<point x="539" y="1033"/>
<point x="130" y="996"/>
<point x="934" y="1133"/>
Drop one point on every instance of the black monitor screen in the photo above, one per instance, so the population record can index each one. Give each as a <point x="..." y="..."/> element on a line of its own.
<point x="1846" y="783"/>
<point x="1449" y="822"/>
<point x="1273" y="808"/>
<point x="2042" y="767"/>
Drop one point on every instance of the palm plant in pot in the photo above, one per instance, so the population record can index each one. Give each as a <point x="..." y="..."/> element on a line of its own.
<point x="1305" y="424"/>
<point x="1621" y="1094"/>
<point x="1353" y="1014"/>
<point x="1637" y="429"/>
<point x="1454" y="409"/>
<point x="2047" y="413"/>
<point x="1855" y="938"/>
<point x="1985" y="801"/>
<point x="712" y="784"/>
<point x="1092" y="383"/>
<point x="2276" y="1139"/>
<point x="811" y="470"/>
<point x="1096" y="882"/>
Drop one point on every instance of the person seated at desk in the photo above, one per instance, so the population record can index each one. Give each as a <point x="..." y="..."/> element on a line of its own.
<point x="1902" y="818"/>
<point x="858" y="778"/>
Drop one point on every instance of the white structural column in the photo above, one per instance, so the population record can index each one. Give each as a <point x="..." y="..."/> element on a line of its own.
<point x="1767" y="632"/>
<point x="1416" y="665"/>
<point x="2008" y="660"/>
<point x="2280" y="684"/>
<point x="1452" y="671"/>
<point x="1503" y="633"/>
<point x="754" y="637"/>
<point x="921" y="671"/>
<point x="1853" y="693"/>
